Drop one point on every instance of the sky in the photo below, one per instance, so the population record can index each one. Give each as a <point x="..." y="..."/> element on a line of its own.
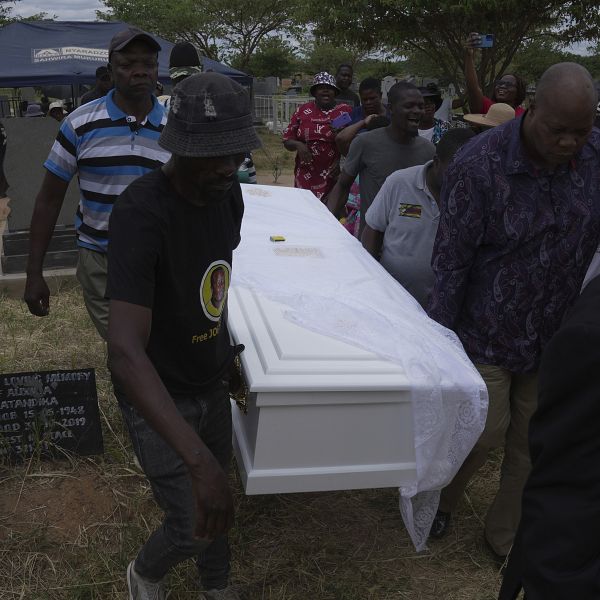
<point x="65" y="10"/>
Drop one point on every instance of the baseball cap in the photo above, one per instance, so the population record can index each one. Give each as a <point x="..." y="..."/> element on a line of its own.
<point x="210" y="116"/>
<point x="432" y="91"/>
<point x="57" y="104"/>
<point x="184" y="61"/>
<point x="184" y="54"/>
<point x="121" y="39"/>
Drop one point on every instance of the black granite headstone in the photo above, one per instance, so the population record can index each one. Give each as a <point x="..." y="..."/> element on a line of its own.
<point x="49" y="410"/>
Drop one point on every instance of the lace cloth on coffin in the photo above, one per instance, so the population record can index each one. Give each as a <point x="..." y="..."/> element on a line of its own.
<point x="332" y="286"/>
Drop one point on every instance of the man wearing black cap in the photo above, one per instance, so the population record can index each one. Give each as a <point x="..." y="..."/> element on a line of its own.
<point x="103" y="85"/>
<point x="431" y="128"/>
<point x="172" y="235"/>
<point x="183" y="62"/>
<point x="108" y="143"/>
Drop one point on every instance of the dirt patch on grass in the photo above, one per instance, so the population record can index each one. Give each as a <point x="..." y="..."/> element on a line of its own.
<point x="62" y="504"/>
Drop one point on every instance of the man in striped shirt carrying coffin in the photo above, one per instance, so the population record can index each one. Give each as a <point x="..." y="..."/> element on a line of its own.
<point x="108" y="143"/>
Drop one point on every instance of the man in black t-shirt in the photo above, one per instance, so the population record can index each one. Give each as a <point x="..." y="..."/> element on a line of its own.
<point x="343" y="79"/>
<point x="172" y="234"/>
<point x="104" y="83"/>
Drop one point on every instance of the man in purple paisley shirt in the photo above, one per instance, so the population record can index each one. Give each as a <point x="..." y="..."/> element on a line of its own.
<point x="519" y="224"/>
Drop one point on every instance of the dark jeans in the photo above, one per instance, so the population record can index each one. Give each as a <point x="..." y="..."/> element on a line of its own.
<point x="209" y="414"/>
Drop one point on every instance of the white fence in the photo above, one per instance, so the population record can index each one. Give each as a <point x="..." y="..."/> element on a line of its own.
<point x="275" y="111"/>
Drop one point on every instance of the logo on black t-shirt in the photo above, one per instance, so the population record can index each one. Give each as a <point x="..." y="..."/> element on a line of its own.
<point x="213" y="289"/>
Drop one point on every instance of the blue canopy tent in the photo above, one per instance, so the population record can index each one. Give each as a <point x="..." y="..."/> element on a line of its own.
<point x="40" y="53"/>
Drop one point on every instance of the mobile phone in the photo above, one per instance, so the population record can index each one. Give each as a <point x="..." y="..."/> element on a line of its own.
<point x="341" y="121"/>
<point x="486" y="40"/>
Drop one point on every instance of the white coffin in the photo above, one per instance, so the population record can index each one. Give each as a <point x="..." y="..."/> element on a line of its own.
<point x="322" y="414"/>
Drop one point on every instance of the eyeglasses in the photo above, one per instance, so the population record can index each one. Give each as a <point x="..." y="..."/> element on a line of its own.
<point x="506" y="84"/>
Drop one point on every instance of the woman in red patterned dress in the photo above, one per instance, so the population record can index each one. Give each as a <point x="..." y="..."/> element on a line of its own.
<point x="312" y="136"/>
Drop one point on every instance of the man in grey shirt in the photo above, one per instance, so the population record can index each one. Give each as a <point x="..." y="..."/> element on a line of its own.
<point x="402" y="221"/>
<point x="376" y="154"/>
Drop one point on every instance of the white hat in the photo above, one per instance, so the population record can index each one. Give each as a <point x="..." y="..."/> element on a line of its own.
<point x="57" y="104"/>
<point x="34" y="110"/>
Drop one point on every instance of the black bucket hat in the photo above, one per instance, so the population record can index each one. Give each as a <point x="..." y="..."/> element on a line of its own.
<point x="210" y="116"/>
<point x="432" y="91"/>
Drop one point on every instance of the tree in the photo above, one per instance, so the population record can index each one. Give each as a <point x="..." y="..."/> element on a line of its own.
<point x="531" y="60"/>
<point x="325" y="56"/>
<point x="437" y="29"/>
<point x="6" y="13"/>
<point x="246" y="24"/>
<point x="534" y="58"/>
<point x="422" y="65"/>
<point x="219" y="28"/>
<point x="591" y="63"/>
<point x="378" y="68"/>
<point x="176" y="20"/>
<point x="5" y="10"/>
<point x="274" y="57"/>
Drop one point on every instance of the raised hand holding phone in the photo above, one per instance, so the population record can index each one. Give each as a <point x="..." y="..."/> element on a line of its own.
<point x="486" y="40"/>
<point x="479" y="40"/>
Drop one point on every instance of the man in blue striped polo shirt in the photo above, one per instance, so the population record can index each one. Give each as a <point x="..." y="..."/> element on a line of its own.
<point x="108" y="143"/>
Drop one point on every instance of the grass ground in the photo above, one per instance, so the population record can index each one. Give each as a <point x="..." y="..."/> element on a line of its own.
<point x="69" y="528"/>
<point x="274" y="164"/>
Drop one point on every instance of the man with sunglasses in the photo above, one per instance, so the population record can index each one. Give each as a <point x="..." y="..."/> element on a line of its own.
<point x="509" y="88"/>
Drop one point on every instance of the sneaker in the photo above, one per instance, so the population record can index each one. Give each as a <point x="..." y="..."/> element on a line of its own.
<point x="141" y="588"/>
<point x="229" y="593"/>
<point x="439" y="527"/>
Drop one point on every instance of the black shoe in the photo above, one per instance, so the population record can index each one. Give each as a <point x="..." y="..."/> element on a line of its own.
<point x="439" y="527"/>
